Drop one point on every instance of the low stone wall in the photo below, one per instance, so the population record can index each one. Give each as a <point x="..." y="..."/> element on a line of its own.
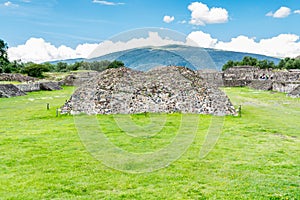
<point x="285" y="87"/>
<point x="10" y="90"/>
<point x="29" y="87"/>
<point x="261" y="84"/>
<point x="295" y="93"/>
<point x="37" y="86"/>
<point x="15" y="77"/>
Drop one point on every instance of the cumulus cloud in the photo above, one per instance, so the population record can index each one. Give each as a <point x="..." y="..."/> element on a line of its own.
<point x="202" y="15"/>
<point x="108" y="3"/>
<point x="282" y="12"/>
<point x="10" y="4"/>
<point x="297" y="11"/>
<point x="202" y="39"/>
<point x="153" y="39"/>
<point x="38" y="50"/>
<point x="168" y="19"/>
<point x="283" y="45"/>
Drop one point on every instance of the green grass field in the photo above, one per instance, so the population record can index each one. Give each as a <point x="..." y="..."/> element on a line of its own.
<point x="256" y="157"/>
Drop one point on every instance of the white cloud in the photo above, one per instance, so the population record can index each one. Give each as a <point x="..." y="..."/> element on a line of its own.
<point x="201" y="39"/>
<point x="202" y="15"/>
<point x="168" y="19"/>
<point x="10" y="4"/>
<point x="297" y="11"/>
<point x="153" y="39"/>
<point x="282" y="12"/>
<point x="283" y="45"/>
<point x="182" y="22"/>
<point x="108" y="3"/>
<point x="38" y="50"/>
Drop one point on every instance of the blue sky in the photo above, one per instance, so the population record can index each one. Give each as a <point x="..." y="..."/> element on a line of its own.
<point x="71" y="23"/>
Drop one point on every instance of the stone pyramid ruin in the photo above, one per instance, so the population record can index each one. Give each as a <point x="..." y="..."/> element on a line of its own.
<point x="160" y="90"/>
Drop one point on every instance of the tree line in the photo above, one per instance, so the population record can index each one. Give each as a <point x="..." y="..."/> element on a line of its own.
<point x="37" y="70"/>
<point x="286" y="63"/>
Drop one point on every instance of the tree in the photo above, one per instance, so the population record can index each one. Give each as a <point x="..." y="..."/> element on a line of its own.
<point x="229" y="64"/>
<point x="3" y="50"/>
<point x="61" y="67"/>
<point x="116" y="64"/>
<point x="265" y="64"/>
<point x="247" y="60"/>
<point x="3" y="56"/>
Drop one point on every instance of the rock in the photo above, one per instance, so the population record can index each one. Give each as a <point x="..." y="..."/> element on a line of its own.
<point x="50" y="86"/>
<point x="10" y="90"/>
<point x="160" y="90"/>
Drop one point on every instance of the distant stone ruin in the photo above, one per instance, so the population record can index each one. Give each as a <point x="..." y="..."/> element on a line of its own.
<point x="78" y="78"/>
<point x="253" y="77"/>
<point x="160" y="90"/>
<point x="15" y="77"/>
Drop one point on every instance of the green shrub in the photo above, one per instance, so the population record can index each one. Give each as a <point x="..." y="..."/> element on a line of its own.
<point x="35" y="70"/>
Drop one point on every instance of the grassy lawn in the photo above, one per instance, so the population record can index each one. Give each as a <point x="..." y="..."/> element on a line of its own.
<point x="256" y="156"/>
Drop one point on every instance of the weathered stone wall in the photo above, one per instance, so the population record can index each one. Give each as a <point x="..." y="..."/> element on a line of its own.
<point x="162" y="90"/>
<point x="15" y="77"/>
<point x="295" y="93"/>
<point x="10" y="90"/>
<point x="37" y="86"/>
<point x="29" y="87"/>
<point x="285" y="87"/>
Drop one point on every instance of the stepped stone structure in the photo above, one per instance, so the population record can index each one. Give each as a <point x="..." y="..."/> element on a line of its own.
<point x="10" y="90"/>
<point x="160" y="90"/>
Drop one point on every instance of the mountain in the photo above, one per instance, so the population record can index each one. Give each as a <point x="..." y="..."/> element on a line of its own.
<point x="194" y="58"/>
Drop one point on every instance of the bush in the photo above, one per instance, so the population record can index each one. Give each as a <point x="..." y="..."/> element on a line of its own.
<point x="35" y="70"/>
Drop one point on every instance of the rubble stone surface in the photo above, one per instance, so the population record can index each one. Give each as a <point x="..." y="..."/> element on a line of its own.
<point x="160" y="90"/>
